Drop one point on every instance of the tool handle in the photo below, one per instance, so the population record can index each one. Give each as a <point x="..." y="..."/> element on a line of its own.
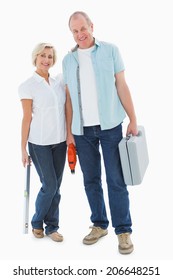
<point x="26" y="197"/>
<point x="72" y="157"/>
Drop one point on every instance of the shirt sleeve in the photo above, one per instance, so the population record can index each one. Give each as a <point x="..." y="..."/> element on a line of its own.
<point x="59" y="78"/>
<point x="24" y="93"/>
<point x="118" y="61"/>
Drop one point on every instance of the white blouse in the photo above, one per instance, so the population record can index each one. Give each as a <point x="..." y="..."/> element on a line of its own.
<point x="48" y="108"/>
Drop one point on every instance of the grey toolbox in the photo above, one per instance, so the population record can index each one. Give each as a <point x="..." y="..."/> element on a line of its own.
<point x="134" y="157"/>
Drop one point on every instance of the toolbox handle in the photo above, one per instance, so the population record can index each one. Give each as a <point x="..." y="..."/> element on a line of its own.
<point x="130" y="135"/>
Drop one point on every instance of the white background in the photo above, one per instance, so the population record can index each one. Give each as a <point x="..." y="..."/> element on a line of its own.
<point x="142" y="30"/>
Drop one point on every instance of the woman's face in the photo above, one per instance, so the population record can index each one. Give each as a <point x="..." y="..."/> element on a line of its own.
<point x="45" y="60"/>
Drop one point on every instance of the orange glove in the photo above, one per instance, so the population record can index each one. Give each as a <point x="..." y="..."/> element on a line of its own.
<point x="71" y="152"/>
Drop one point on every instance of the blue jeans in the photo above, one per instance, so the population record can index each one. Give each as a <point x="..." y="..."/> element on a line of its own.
<point x="49" y="162"/>
<point x="90" y="161"/>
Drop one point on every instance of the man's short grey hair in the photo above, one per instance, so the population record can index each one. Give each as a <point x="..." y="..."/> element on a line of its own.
<point x="39" y="48"/>
<point x="76" y="14"/>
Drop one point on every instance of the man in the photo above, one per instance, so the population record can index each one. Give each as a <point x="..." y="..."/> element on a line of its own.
<point x="97" y="99"/>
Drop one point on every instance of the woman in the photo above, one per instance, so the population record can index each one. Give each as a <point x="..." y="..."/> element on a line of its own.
<point x="43" y="128"/>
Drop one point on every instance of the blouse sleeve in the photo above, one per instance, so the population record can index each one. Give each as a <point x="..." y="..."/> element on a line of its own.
<point x="24" y="92"/>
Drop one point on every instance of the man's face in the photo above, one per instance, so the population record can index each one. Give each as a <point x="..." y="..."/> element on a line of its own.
<point x="82" y="32"/>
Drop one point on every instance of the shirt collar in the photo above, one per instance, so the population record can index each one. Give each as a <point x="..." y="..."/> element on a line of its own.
<point x="96" y="42"/>
<point x="37" y="77"/>
<point x="40" y="79"/>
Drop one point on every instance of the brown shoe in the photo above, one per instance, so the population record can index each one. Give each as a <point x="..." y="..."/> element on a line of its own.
<point x="125" y="243"/>
<point x="38" y="233"/>
<point x="55" y="236"/>
<point x="94" y="235"/>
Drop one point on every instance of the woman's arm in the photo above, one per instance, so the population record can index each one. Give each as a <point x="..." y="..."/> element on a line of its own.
<point x="26" y="121"/>
<point x="69" y="114"/>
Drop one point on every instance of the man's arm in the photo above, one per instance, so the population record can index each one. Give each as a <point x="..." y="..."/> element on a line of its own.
<point x="126" y="100"/>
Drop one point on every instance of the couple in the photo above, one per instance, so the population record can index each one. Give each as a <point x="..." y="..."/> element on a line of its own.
<point x="87" y="108"/>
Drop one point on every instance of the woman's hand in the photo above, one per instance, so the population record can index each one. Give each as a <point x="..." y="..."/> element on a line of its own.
<point x="70" y="139"/>
<point x="25" y="158"/>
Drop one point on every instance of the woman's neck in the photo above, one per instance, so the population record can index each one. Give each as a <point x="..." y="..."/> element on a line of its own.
<point x="45" y="75"/>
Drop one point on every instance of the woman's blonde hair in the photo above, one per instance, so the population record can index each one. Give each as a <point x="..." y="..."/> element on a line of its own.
<point x="39" y="48"/>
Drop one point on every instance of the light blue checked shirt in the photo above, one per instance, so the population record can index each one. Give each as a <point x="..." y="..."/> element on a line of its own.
<point x="106" y="61"/>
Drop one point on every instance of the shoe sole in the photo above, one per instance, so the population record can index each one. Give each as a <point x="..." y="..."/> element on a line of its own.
<point x="89" y="242"/>
<point x="54" y="239"/>
<point x="38" y="234"/>
<point x="126" y="251"/>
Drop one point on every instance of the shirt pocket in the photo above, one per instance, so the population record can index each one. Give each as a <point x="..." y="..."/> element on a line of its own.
<point x="106" y="64"/>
